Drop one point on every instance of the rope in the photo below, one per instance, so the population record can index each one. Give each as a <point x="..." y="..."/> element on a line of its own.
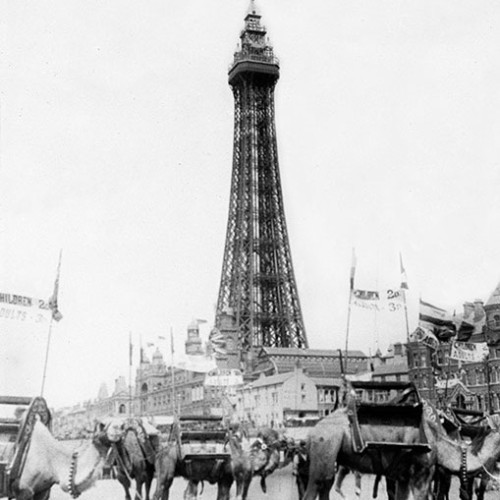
<point x="491" y="476"/>
<point x="121" y="464"/>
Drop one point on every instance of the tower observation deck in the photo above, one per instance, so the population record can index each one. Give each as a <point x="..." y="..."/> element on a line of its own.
<point x="257" y="282"/>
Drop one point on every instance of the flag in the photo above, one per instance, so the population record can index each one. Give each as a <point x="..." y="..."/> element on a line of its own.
<point x="353" y="269"/>
<point x="464" y="330"/>
<point x="434" y="315"/>
<point x="404" y="279"/>
<point x="149" y="344"/>
<point x="161" y="338"/>
<point x="56" y="315"/>
<point x="425" y="336"/>
<point x="201" y="321"/>
<point x="217" y="341"/>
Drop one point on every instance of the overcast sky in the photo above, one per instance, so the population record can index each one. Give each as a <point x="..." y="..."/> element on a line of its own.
<point x="116" y="125"/>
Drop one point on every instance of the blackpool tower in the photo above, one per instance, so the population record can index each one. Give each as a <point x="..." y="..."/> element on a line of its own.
<point x="257" y="283"/>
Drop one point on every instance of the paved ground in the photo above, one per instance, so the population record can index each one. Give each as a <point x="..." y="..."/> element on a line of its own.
<point x="281" y="486"/>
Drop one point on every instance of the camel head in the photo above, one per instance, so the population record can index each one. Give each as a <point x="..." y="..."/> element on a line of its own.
<point x="265" y="457"/>
<point x="106" y="433"/>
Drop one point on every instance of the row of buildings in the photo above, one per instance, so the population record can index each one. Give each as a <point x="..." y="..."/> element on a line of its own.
<point x="290" y="386"/>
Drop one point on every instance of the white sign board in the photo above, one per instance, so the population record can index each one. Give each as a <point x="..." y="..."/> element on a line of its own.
<point x="224" y="377"/>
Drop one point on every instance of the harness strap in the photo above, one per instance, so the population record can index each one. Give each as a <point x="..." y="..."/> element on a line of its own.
<point x="123" y="467"/>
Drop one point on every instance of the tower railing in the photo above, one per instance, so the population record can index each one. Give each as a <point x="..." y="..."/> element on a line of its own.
<point x="262" y="58"/>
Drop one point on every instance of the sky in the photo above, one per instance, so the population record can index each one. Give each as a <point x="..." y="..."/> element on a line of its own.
<point x="116" y="124"/>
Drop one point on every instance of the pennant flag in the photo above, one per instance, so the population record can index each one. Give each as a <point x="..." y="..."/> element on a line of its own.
<point x="201" y="321"/>
<point x="53" y="305"/>
<point x="161" y="338"/>
<point x="150" y="344"/>
<point x="469" y="352"/>
<point x="404" y="279"/>
<point x="353" y="269"/>
<point x="425" y="336"/>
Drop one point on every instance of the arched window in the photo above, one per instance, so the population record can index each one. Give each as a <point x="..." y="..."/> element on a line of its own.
<point x="144" y="388"/>
<point x="122" y="409"/>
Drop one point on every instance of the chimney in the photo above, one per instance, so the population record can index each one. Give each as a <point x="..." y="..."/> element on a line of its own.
<point x="468" y="309"/>
<point x="478" y="310"/>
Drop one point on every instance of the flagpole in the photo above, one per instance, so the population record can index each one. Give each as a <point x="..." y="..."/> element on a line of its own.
<point x="351" y="288"/>
<point x="49" y="336"/>
<point x="130" y="374"/>
<point x="172" y="371"/>
<point x="404" y="287"/>
<point x="54" y="314"/>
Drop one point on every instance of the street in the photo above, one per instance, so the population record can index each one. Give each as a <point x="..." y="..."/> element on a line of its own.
<point x="280" y="486"/>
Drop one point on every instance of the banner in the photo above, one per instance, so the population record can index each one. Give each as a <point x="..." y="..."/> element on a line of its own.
<point x="16" y="310"/>
<point x="196" y="363"/>
<point x="469" y="352"/>
<point x="224" y="377"/>
<point x="389" y="299"/>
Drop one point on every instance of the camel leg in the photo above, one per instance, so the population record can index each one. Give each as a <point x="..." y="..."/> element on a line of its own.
<point x="321" y="472"/>
<point x="420" y="484"/>
<point x="224" y="488"/>
<point x="339" y="479"/>
<point x="243" y="487"/>
<point x="163" y="488"/>
<point x="124" y="481"/>
<point x="403" y="491"/>
<point x="481" y="487"/>
<point x="357" y="479"/>
<point x="147" y="484"/>
<point x="191" y="491"/>
<point x="42" y="495"/>
<point x="138" y="489"/>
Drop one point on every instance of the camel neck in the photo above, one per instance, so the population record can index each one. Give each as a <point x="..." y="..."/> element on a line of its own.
<point x="449" y="454"/>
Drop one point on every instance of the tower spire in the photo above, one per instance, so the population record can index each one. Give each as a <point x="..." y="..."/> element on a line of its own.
<point x="257" y="281"/>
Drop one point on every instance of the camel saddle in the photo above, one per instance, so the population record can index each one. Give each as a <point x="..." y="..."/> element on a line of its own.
<point x="15" y="436"/>
<point x="389" y="405"/>
<point x="470" y="422"/>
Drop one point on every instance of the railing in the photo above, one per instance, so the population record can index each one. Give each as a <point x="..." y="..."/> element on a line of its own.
<point x="264" y="58"/>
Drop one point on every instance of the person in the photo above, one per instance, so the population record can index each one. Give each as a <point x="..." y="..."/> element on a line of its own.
<point x="300" y="468"/>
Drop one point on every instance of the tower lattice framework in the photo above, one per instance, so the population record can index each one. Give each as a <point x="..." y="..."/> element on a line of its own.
<point x="258" y="282"/>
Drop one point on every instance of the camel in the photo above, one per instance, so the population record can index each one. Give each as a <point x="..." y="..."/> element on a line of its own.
<point x="260" y="459"/>
<point x="135" y="457"/>
<point x="240" y="466"/>
<point x="169" y="464"/>
<point x="49" y="462"/>
<point x="331" y="443"/>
